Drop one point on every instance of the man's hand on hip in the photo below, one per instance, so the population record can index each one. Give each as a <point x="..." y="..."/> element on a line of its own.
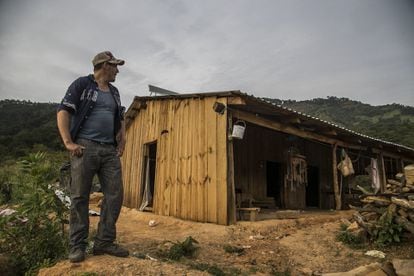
<point x="74" y="149"/>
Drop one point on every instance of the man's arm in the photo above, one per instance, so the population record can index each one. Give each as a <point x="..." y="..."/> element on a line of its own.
<point x="63" y="122"/>
<point x="121" y="139"/>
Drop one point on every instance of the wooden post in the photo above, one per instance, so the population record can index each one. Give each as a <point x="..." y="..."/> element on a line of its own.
<point x="382" y="175"/>
<point x="402" y="165"/>
<point x="338" y="201"/>
<point x="231" y="190"/>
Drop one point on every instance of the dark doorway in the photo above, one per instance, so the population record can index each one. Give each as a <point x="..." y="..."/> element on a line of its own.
<point x="150" y="164"/>
<point x="312" y="190"/>
<point x="274" y="181"/>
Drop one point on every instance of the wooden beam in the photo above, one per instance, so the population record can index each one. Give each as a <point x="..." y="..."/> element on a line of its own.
<point x="231" y="194"/>
<point x="330" y="132"/>
<point x="236" y="100"/>
<point x="389" y="154"/>
<point x="337" y="192"/>
<point x="382" y="174"/>
<point x="294" y="120"/>
<point x="255" y="119"/>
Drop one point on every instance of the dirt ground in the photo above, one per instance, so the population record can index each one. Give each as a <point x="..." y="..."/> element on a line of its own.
<point x="299" y="244"/>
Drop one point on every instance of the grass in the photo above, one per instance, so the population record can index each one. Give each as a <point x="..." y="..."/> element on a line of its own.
<point x="350" y="239"/>
<point x="212" y="269"/>
<point x="233" y="249"/>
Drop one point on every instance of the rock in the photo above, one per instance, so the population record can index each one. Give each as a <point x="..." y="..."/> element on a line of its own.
<point x="403" y="267"/>
<point x="375" y="253"/>
<point x="152" y="223"/>
<point x="359" y="271"/>
<point x="378" y="272"/>
<point x="388" y="269"/>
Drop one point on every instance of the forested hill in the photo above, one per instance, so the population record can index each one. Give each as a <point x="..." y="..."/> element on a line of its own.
<point x="26" y="126"/>
<point x="392" y="122"/>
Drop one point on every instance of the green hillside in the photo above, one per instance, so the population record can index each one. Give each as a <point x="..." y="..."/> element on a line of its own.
<point x="392" y="122"/>
<point x="26" y="127"/>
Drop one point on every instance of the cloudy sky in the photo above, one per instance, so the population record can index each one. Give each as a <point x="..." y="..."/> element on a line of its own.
<point x="285" y="49"/>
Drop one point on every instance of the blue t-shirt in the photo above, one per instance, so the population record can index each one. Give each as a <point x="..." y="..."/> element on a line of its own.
<point x="99" y="126"/>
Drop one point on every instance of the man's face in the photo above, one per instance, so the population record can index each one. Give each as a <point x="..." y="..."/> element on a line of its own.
<point x="111" y="70"/>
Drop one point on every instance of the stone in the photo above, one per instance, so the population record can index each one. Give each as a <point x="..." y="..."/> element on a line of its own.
<point x="375" y="254"/>
<point x="359" y="271"/>
<point x="403" y="267"/>
<point x="378" y="272"/>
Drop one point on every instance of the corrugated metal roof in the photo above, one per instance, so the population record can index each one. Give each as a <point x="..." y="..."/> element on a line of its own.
<point x="276" y="107"/>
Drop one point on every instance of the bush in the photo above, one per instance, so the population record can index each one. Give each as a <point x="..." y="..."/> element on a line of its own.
<point x="387" y="231"/>
<point x="185" y="248"/>
<point x="350" y="239"/>
<point x="33" y="236"/>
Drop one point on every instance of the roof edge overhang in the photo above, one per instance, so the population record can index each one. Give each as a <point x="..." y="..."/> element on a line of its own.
<point x="256" y="107"/>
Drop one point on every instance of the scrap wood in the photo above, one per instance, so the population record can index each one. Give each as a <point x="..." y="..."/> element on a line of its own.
<point x="364" y="190"/>
<point x="378" y="210"/>
<point x="361" y="221"/>
<point x="409" y="204"/>
<point x="397" y="201"/>
<point x="380" y="200"/>
<point x="409" y="226"/>
<point x="395" y="182"/>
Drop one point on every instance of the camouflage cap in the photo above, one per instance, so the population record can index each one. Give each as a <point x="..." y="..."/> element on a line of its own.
<point x="106" y="57"/>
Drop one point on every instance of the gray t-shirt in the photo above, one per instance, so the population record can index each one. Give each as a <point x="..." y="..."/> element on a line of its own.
<point x="99" y="126"/>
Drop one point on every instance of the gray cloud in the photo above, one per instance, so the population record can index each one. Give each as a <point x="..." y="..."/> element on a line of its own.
<point x="281" y="49"/>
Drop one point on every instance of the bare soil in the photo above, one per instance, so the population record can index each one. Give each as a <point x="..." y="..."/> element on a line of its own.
<point x="303" y="244"/>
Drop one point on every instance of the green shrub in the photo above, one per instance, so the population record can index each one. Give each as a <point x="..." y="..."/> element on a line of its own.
<point x="33" y="236"/>
<point x="387" y="231"/>
<point x="350" y="239"/>
<point x="185" y="248"/>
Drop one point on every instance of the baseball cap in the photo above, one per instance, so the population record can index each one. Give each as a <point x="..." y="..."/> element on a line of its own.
<point x="106" y="57"/>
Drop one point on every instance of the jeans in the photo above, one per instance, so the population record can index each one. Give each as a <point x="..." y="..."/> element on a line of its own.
<point x="100" y="159"/>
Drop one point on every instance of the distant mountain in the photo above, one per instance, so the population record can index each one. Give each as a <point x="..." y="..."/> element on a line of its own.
<point x="26" y="126"/>
<point x="392" y="122"/>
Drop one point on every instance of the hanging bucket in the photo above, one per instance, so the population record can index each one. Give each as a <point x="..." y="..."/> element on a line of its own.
<point x="238" y="129"/>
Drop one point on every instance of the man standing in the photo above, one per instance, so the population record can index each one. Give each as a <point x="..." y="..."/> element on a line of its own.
<point x="91" y="124"/>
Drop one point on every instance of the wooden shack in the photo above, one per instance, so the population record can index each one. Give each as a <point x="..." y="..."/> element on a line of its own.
<point x="182" y="158"/>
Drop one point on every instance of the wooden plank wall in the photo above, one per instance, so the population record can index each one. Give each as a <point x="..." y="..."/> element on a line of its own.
<point x="191" y="170"/>
<point x="260" y="145"/>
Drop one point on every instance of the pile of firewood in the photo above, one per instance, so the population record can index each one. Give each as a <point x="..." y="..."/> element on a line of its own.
<point x="396" y="201"/>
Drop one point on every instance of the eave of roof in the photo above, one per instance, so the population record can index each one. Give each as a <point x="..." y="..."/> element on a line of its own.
<point x="276" y="107"/>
